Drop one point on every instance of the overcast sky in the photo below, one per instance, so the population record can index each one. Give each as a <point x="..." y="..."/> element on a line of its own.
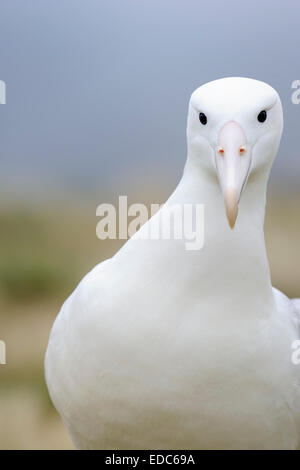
<point x="97" y="90"/>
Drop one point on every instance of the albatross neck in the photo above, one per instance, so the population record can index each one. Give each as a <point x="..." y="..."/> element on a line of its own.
<point x="201" y="186"/>
<point x="237" y="257"/>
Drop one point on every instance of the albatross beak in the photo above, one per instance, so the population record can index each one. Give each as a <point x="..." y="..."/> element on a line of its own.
<point x="233" y="159"/>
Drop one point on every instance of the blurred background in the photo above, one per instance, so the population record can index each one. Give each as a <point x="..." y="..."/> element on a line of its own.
<point x="96" y="104"/>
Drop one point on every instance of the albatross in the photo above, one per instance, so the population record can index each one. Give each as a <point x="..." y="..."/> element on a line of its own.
<point x="160" y="347"/>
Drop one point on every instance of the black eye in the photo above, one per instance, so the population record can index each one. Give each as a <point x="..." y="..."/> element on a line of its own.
<point x="202" y="119"/>
<point x="262" y="116"/>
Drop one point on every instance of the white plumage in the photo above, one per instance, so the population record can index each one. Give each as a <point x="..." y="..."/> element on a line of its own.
<point x="161" y="347"/>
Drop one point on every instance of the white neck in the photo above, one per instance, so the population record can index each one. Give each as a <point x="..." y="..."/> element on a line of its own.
<point x="233" y="262"/>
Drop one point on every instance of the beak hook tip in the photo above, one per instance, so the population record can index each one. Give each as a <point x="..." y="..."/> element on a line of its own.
<point x="231" y="221"/>
<point x="231" y="204"/>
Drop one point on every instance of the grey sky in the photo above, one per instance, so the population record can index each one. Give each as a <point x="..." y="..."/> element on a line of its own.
<point x="97" y="90"/>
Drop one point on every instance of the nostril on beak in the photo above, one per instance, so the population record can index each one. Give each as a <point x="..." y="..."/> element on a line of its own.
<point x="242" y="149"/>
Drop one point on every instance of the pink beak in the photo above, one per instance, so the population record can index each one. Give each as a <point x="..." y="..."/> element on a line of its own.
<point x="233" y="159"/>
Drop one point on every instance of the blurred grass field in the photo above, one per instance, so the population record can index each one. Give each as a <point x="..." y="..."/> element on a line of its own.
<point x="43" y="255"/>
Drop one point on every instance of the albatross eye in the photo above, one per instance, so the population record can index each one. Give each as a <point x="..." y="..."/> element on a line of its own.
<point x="202" y="119"/>
<point x="262" y="116"/>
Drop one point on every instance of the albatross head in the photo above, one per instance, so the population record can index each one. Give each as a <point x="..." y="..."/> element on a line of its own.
<point x="234" y="129"/>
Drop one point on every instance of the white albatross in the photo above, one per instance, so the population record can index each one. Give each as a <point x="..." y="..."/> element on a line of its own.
<point x="164" y="348"/>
